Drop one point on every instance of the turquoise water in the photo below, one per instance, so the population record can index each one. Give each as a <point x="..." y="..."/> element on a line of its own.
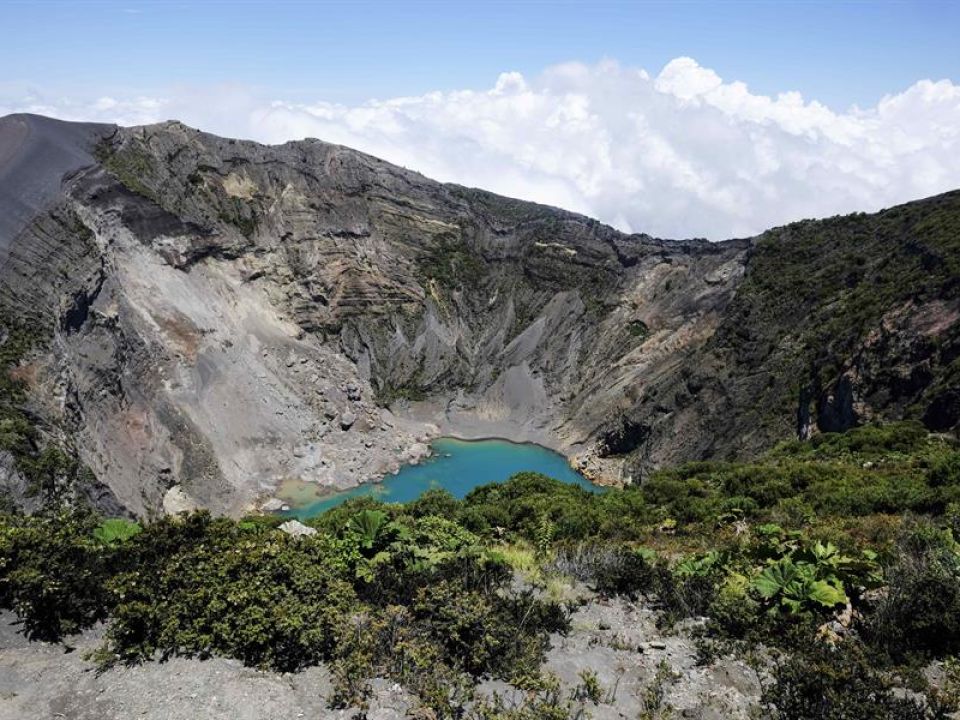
<point x="457" y="466"/>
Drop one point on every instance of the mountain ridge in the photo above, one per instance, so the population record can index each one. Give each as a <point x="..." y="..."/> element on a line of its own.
<point x="231" y="316"/>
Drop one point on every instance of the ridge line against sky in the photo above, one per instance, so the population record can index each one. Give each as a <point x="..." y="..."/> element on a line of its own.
<point x="678" y="151"/>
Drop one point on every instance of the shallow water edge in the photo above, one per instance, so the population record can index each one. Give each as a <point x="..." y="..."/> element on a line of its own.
<point x="456" y="465"/>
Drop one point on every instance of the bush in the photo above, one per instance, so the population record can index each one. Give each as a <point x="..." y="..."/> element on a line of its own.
<point x="918" y="614"/>
<point x="944" y="470"/>
<point x="434" y="502"/>
<point x="823" y="682"/>
<point x="53" y="573"/>
<point x="417" y="599"/>
<point x="424" y="593"/>
<point x="898" y="437"/>
<point x="732" y="610"/>
<point x="268" y="601"/>
<point x="610" y="570"/>
<point x="519" y="506"/>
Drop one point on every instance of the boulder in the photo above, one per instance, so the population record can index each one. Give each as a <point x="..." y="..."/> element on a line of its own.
<point x="295" y="528"/>
<point x="176" y="501"/>
<point x="272" y="505"/>
<point x="417" y="452"/>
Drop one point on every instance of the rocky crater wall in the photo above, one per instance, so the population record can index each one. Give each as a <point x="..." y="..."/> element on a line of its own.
<point x="218" y="317"/>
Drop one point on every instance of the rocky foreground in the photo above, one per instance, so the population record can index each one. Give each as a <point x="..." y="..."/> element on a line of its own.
<point x="637" y="667"/>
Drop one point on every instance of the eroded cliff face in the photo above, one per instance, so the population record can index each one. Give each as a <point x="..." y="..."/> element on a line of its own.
<point x="836" y="323"/>
<point x="219" y="317"/>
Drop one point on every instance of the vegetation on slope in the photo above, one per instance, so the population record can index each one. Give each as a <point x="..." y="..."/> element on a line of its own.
<point x="858" y="293"/>
<point x="835" y="560"/>
<point x="48" y="467"/>
<point x="133" y="166"/>
<point x="202" y="199"/>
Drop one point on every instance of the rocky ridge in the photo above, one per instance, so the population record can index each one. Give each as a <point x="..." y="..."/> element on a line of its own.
<point x="216" y="318"/>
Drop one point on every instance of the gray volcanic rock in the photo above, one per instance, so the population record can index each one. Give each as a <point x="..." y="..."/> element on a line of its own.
<point x="222" y="320"/>
<point x="295" y="528"/>
<point x="39" y="681"/>
<point x="36" y="153"/>
<point x="617" y="640"/>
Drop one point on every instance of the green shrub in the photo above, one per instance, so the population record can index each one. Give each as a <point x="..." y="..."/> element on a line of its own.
<point x="733" y="611"/>
<point x="898" y="437"/>
<point x="918" y="614"/>
<point x="823" y="682"/>
<point x="944" y="470"/>
<point x="269" y="601"/>
<point x="520" y="505"/>
<point x="639" y="329"/>
<point x="610" y="570"/>
<point x="423" y="593"/>
<point x="417" y="599"/>
<point x="53" y="573"/>
<point x="434" y="502"/>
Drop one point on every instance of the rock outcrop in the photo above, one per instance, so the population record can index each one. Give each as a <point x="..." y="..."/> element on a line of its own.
<point x="222" y="317"/>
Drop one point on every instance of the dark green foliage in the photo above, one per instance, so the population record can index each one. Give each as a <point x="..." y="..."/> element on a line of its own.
<point x="636" y="571"/>
<point x="638" y="329"/>
<point x="900" y="437"/>
<point x="451" y="263"/>
<point x="388" y="394"/>
<point x="520" y="505"/>
<point x="918" y="614"/>
<point x="944" y="471"/>
<point x="53" y="573"/>
<point x="434" y="502"/>
<point x="270" y="601"/>
<point x="260" y="524"/>
<point x="823" y="682"/>
<point x="418" y="599"/>
<point x="609" y="569"/>
<point x="278" y="602"/>
<point x="873" y="469"/>
<point x="813" y="293"/>
<point x="53" y="472"/>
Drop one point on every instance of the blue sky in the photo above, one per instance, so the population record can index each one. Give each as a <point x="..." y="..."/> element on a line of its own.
<point x="840" y="53"/>
<point x="679" y="119"/>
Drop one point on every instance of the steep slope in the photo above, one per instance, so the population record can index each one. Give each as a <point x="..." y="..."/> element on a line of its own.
<point x="210" y="318"/>
<point x="35" y="154"/>
<point x="837" y="322"/>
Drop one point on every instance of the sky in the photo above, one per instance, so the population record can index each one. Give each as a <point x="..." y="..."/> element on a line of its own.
<point x="678" y="119"/>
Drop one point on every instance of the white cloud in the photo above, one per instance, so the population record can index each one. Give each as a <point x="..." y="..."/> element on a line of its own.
<point x="680" y="154"/>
